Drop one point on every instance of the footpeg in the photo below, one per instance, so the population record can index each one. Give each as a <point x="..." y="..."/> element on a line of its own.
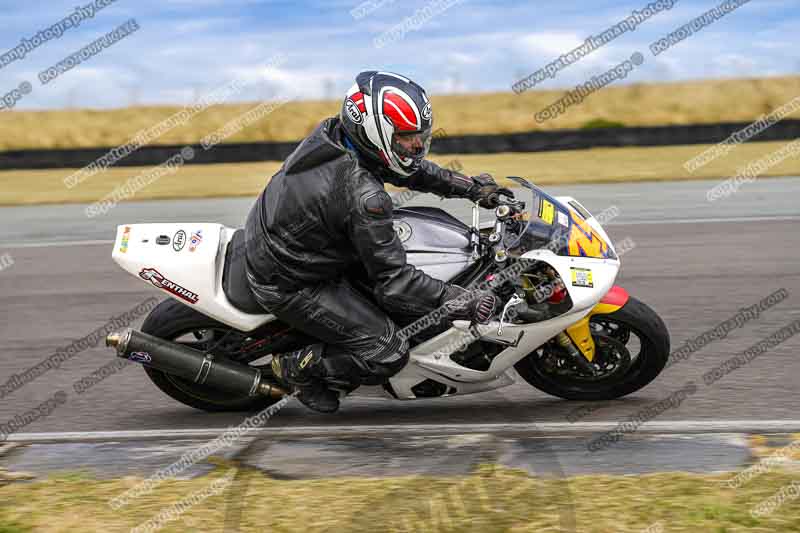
<point x="501" y="342"/>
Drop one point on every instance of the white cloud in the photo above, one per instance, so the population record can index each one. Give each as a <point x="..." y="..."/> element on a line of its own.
<point x="478" y="45"/>
<point x="549" y="43"/>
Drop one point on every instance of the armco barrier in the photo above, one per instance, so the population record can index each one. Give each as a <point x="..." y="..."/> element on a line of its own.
<point x="535" y="141"/>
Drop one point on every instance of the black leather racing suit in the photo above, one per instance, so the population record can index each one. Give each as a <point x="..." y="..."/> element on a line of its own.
<point x="322" y="217"/>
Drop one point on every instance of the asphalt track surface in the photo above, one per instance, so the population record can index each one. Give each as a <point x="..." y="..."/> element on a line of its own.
<point x="696" y="263"/>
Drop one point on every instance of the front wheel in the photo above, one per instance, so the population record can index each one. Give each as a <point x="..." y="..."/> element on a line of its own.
<point x="631" y="349"/>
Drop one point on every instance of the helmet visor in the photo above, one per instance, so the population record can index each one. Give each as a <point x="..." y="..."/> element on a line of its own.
<point x="411" y="145"/>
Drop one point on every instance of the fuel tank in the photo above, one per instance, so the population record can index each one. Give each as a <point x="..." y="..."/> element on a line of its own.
<point x="435" y="242"/>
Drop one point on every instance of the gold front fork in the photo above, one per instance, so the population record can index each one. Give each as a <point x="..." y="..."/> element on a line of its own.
<point x="581" y="336"/>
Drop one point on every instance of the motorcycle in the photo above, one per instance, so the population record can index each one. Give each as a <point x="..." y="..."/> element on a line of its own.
<point x="564" y="327"/>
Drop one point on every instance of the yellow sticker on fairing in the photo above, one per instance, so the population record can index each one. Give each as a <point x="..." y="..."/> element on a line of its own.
<point x="547" y="211"/>
<point x="582" y="277"/>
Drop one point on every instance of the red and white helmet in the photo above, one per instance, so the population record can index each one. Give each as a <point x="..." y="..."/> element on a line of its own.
<point x="389" y="119"/>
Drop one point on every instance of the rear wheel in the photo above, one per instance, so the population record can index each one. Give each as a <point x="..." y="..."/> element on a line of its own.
<point x="174" y="321"/>
<point x="632" y="348"/>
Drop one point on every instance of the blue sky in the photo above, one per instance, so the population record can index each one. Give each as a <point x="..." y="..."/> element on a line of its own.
<point x="187" y="47"/>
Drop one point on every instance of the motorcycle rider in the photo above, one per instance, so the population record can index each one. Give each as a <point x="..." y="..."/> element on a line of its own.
<point x="325" y="215"/>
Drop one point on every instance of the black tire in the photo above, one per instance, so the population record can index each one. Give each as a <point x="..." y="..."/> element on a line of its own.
<point x="170" y="320"/>
<point x="650" y="361"/>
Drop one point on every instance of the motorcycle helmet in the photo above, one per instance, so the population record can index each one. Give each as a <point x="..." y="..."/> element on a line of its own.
<point x="389" y="119"/>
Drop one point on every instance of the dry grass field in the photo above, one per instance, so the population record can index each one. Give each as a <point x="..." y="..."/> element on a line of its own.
<point x="639" y="104"/>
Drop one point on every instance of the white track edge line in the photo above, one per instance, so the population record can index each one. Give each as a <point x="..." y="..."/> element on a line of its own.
<point x="533" y="429"/>
<point x="54" y="244"/>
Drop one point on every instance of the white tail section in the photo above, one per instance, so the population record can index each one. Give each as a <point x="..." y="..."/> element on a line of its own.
<point x="185" y="261"/>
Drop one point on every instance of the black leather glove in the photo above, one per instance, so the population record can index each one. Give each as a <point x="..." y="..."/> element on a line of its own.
<point x="486" y="192"/>
<point x="476" y="306"/>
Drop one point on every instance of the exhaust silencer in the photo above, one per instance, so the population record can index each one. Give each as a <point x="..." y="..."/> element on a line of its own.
<point x="193" y="365"/>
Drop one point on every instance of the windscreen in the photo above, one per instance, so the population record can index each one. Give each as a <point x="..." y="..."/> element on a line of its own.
<point x="555" y="226"/>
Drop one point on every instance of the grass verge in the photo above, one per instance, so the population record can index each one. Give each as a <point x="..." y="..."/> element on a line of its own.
<point x="599" y="165"/>
<point x="492" y="499"/>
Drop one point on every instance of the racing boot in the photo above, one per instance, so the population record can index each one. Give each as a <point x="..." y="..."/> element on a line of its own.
<point x="303" y="371"/>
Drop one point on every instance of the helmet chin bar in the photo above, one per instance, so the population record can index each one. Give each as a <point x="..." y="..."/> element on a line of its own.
<point x="396" y="165"/>
<point x="407" y="164"/>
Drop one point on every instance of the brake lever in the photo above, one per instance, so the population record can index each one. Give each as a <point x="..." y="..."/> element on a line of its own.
<point x="512" y="302"/>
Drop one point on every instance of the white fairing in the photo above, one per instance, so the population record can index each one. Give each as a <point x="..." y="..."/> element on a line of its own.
<point x="431" y="360"/>
<point x="193" y="270"/>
